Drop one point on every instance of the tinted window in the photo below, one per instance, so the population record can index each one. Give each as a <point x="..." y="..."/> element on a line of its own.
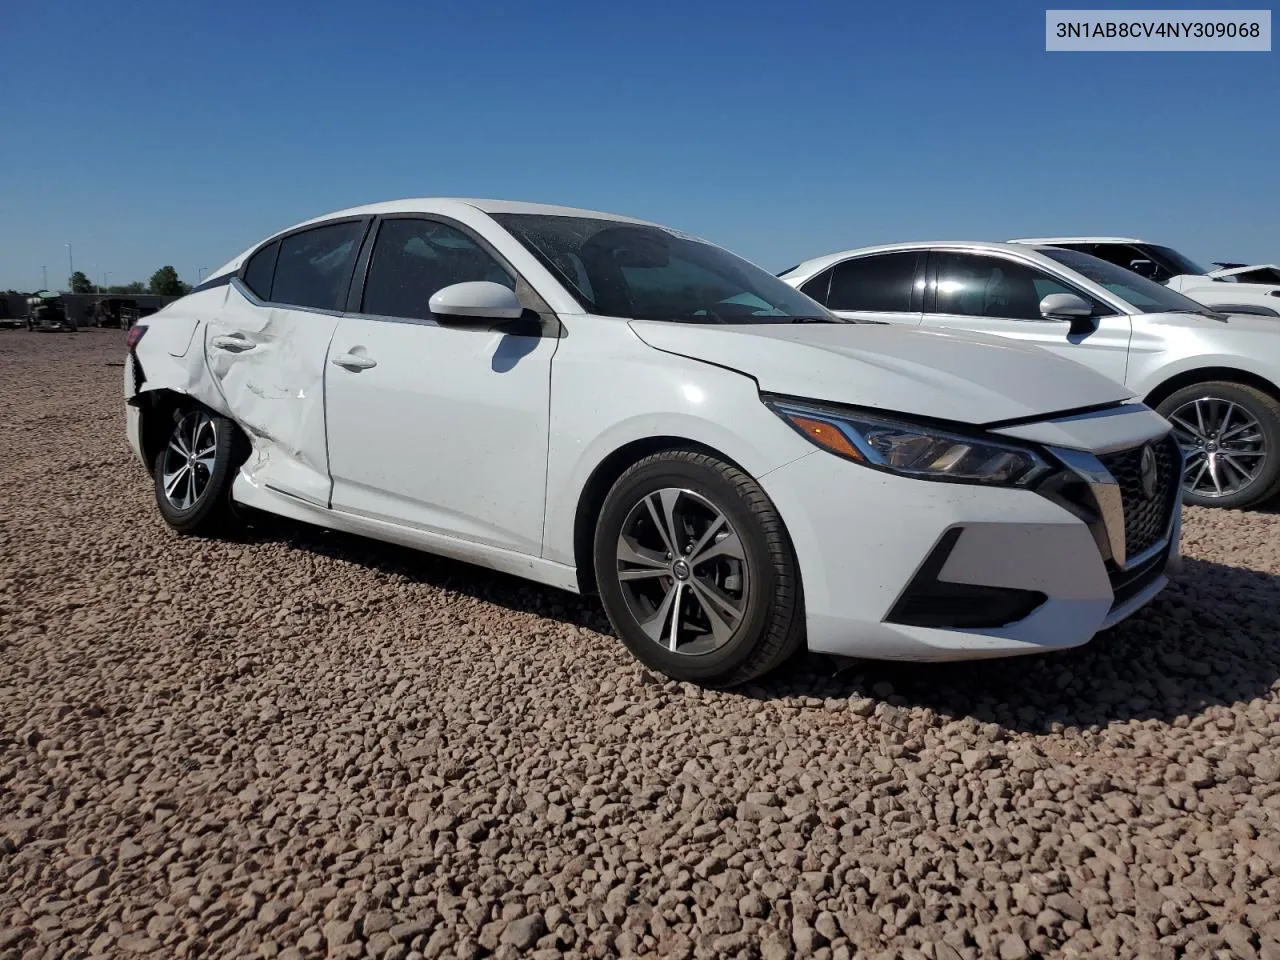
<point x="259" y="270"/>
<point x="818" y="286"/>
<point x="314" y="267"/>
<point x="1176" y="261"/>
<point x="976" y="286"/>
<point x="623" y="269"/>
<point x="1122" y="255"/>
<point x="881" y="283"/>
<point x="412" y="259"/>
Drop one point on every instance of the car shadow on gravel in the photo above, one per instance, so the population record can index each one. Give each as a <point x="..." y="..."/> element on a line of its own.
<point x="1212" y="637"/>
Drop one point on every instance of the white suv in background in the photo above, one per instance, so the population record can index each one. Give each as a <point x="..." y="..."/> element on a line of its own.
<point x="1233" y="288"/>
<point x="1215" y="377"/>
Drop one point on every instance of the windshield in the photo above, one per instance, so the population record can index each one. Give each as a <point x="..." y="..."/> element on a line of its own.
<point x="1142" y="294"/>
<point x="643" y="272"/>
<point x="1177" y="261"/>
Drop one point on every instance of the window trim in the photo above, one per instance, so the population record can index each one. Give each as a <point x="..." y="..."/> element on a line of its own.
<point x="916" y="302"/>
<point x="238" y="279"/>
<point x="931" y="285"/>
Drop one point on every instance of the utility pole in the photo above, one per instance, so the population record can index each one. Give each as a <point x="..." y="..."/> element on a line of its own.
<point x="44" y="273"/>
<point x="71" y="266"/>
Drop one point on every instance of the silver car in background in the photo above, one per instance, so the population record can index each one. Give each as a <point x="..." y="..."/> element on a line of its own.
<point x="1215" y="376"/>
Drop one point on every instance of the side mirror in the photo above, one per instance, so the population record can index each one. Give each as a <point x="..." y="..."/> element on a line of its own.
<point x="1143" y="268"/>
<point x="475" y="300"/>
<point x="1068" y="306"/>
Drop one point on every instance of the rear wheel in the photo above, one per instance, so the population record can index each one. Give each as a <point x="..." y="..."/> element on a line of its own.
<point x="194" y="470"/>
<point x="1230" y="437"/>
<point x="696" y="571"/>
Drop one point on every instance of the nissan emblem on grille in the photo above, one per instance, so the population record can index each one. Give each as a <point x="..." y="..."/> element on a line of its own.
<point x="1147" y="472"/>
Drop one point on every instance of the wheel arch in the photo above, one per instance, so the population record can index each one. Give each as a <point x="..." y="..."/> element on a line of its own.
<point x="1189" y="378"/>
<point x="158" y="409"/>
<point x="601" y="481"/>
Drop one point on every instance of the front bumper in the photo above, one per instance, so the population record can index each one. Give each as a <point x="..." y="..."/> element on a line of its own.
<point x="861" y="538"/>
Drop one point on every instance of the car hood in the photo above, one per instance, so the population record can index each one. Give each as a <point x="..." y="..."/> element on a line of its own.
<point x="967" y="378"/>
<point x="1224" y="323"/>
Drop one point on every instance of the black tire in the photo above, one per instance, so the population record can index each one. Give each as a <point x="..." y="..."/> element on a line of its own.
<point x="771" y="627"/>
<point x="211" y="510"/>
<point x="1263" y="408"/>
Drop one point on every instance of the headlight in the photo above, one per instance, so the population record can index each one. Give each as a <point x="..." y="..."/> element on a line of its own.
<point x="912" y="449"/>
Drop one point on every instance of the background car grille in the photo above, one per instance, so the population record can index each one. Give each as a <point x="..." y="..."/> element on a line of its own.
<point x="1146" y="521"/>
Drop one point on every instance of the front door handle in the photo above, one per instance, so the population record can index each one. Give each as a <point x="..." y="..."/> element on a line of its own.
<point x="233" y="342"/>
<point x="354" y="362"/>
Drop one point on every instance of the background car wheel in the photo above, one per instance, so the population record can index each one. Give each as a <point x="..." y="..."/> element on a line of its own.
<point x="1230" y="436"/>
<point x="696" y="571"/>
<point x="194" y="470"/>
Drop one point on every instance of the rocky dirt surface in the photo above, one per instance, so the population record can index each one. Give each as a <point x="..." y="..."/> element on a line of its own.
<point x="300" y="744"/>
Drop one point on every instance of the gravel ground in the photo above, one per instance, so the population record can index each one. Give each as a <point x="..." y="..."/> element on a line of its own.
<point x="301" y="744"/>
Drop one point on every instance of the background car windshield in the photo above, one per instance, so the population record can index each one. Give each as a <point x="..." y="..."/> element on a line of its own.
<point x="621" y="269"/>
<point x="1178" y="261"/>
<point x="1145" y="295"/>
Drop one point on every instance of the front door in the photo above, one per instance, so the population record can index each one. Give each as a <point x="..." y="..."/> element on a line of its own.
<point x="442" y="428"/>
<point x="990" y="294"/>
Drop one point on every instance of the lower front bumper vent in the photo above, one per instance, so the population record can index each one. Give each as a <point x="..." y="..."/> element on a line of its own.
<point x="930" y="602"/>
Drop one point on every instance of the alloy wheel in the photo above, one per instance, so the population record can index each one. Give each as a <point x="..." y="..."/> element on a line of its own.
<point x="1222" y="443"/>
<point x="683" y="571"/>
<point x="189" y="459"/>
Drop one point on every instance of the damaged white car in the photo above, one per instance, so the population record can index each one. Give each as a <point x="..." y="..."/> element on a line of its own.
<point x="601" y="404"/>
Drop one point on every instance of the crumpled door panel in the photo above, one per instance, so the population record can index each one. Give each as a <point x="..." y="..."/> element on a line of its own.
<point x="268" y="363"/>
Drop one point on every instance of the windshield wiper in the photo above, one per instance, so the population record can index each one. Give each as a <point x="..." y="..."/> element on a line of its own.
<point x="817" y="320"/>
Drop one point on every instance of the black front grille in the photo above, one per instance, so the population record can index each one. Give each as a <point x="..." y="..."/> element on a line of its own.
<point x="1127" y="584"/>
<point x="1146" y="520"/>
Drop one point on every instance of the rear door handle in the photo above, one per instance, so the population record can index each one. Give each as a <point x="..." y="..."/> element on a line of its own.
<point x="233" y="342"/>
<point x="354" y="362"/>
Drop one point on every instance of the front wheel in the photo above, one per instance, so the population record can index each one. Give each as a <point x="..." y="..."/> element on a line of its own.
<point x="696" y="571"/>
<point x="193" y="472"/>
<point x="1230" y="438"/>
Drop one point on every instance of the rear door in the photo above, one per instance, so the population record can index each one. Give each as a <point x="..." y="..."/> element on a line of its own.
<point x="266" y="351"/>
<point x="997" y="295"/>
<point x="879" y="287"/>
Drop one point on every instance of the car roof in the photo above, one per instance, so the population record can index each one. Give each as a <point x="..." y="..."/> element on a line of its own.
<point x="1053" y="240"/>
<point x="446" y="205"/>
<point x="817" y="264"/>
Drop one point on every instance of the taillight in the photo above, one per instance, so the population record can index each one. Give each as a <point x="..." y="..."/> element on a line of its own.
<point x="134" y="335"/>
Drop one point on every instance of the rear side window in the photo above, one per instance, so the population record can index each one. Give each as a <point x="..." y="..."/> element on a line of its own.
<point x="818" y="286"/>
<point x="314" y="266"/>
<point x="880" y="284"/>
<point x="260" y="269"/>
<point x="412" y="259"/>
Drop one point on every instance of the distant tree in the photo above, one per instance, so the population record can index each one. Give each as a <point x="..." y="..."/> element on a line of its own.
<point x="133" y="289"/>
<point x="80" y="283"/>
<point x="165" y="283"/>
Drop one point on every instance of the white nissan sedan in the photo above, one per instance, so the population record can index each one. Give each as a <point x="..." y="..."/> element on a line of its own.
<point x="602" y="404"/>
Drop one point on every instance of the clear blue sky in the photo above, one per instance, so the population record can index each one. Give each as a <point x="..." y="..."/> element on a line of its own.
<point x="149" y="133"/>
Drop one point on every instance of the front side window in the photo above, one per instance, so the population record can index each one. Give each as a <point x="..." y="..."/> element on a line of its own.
<point x="1145" y="296"/>
<point x="879" y="284"/>
<point x="620" y="269"/>
<point x="973" y="285"/>
<point x="1177" y="262"/>
<point x="1123" y="255"/>
<point x="314" y="266"/>
<point x="413" y="259"/>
